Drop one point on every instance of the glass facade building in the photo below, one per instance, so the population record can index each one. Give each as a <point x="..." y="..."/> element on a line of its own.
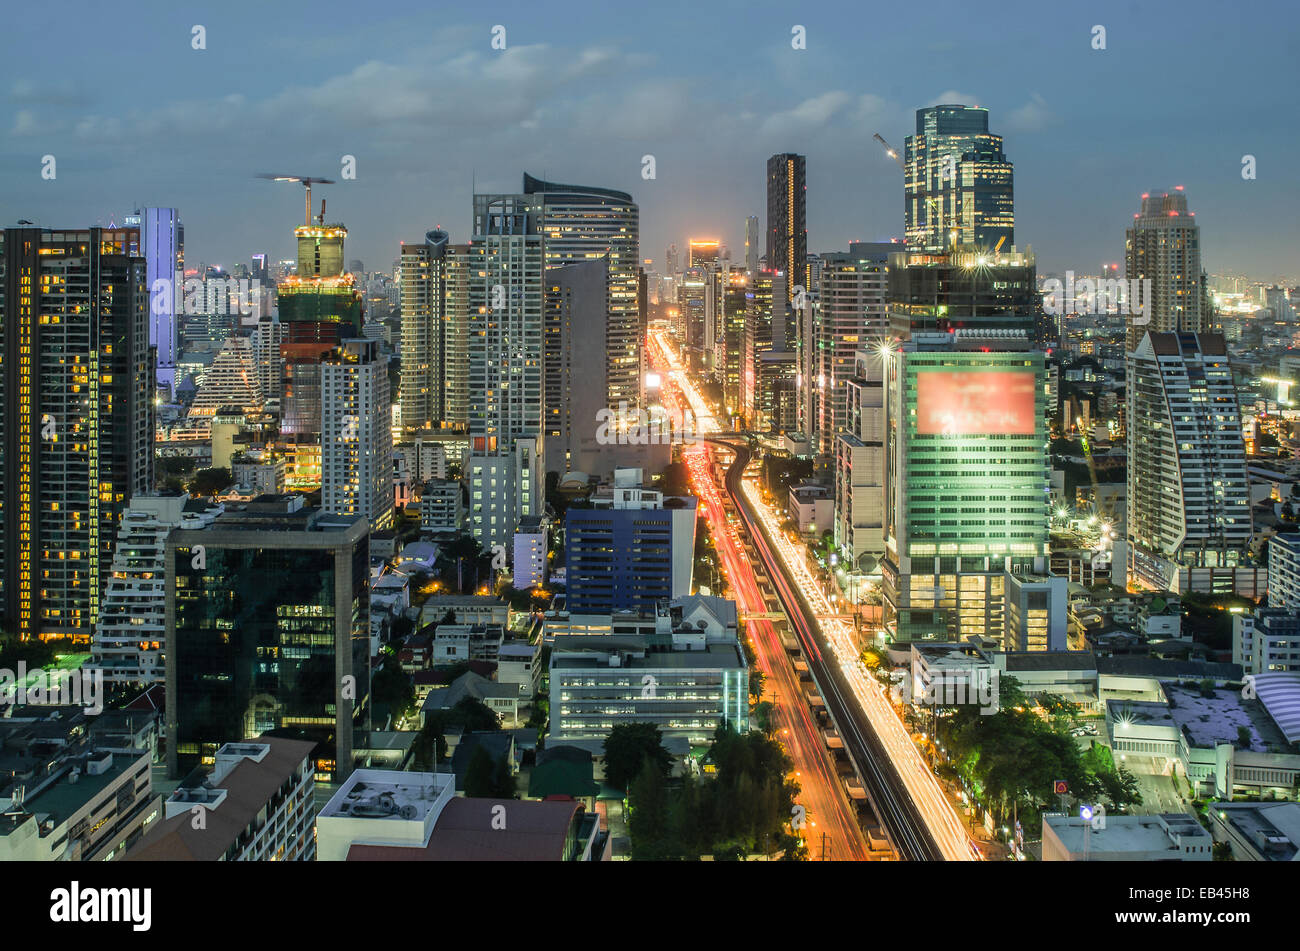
<point x="267" y="629"/>
<point x="959" y="187"/>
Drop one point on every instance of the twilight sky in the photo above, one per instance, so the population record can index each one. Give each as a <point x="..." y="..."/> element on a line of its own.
<point x="414" y="90"/>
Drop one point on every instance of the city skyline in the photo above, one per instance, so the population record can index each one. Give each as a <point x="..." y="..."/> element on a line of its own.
<point x="587" y="105"/>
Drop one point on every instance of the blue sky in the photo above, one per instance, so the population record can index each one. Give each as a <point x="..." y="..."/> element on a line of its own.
<point x="135" y="116"/>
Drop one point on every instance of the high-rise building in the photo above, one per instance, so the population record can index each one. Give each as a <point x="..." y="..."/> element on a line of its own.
<point x="691" y="305"/>
<point x="268" y="624"/>
<point x="734" y="309"/>
<point x="320" y="306"/>
<point x="76" y="419"/>
<point x="1284" y="571"/>
<point x="1189" y="517"/>
<point x="505" y="365"/>
<point x="133" y="618"/>
<point x="576" y="389"/>
<point x="422" y="299"/>
<point x="581" y="223"/>
<point x="752" y="250"/>
<point x="959" y="186"/>
<point x="851" y="317"/>
<point x="704" y="252"/>
<point x="162" y="245"/>
<point x="267" y="337"/>
<point x="434" y="296"/>
<point x="356" y="434"/>
<point x="966" y="470"/>
<point x="1163" y="246"/>
<point x="787" y="220"/>
<point x="860" y="463"/>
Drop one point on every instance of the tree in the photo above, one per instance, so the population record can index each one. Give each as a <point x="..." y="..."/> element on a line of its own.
<point x="208" y="482"/>
<point x="648" y="825"/>
<point x="674" y="479"/>
<point x="487" y="777"/>
<point x="391" y="688"/>
<point x="628" y="747"/>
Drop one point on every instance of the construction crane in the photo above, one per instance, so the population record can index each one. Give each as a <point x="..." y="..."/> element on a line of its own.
<point x="890" y="151"/>
<point x="307" y="182"/>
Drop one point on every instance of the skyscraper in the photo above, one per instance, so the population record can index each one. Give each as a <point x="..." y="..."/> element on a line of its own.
<point x="959" y="186"/>
<point x="582" y="223"/>
<point x="505" y="365"/>
<point x="76" y="419"/>
<point x="424" y="299"/>
<point x="356" y="434"/>
<point x="851" y="316"/>
<point x="752" y="250"/>
<point x="1189" y="518"/>
<point x="1163" y="246"/>
<point x="575" y="328"/>
<point x="162" y="244"/>
<point x="966" y="467"/>
<point x="787" y="219"/>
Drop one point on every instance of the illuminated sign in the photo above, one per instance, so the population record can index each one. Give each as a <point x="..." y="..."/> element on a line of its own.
<point x="975" y="402"/>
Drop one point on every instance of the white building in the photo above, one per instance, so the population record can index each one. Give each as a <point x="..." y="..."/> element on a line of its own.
<point x="382" y="807"/>
<point x="505" y="366"/>
<point x="1284" y="571"/>
<point x="1171" y="837"/>
<point x="133" y="614"/>
<point x="356" y="438"/>
<point x="1267" y="639"/>
<point x="519" y="663"/>
<point x="1189" y="515"/>
<point x="442" y="508"/>
<point x="529" y="563"/>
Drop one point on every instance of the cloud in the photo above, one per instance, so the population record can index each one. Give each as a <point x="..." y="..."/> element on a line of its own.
<point x="954" y="98"/>
<point x="67" y="93"/>
<point x="808" y="115"/>
<point x="1033" y="115"/>
<point x="24" y="123"/>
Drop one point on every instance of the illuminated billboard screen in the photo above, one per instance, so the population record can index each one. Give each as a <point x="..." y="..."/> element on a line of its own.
<point x="975" y="402"/>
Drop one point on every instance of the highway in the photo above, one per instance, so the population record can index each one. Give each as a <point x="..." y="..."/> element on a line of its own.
<point x="831" y="829"/>
<point x="917" y="815"/>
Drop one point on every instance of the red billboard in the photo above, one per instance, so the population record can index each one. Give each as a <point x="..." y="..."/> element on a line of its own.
<point x="975" y="403"/>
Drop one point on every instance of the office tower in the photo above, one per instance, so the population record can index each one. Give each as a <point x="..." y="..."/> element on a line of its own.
<point x="734" y="309"/>
<point x="576" y="388"/>
<point x="703" y="252"/>
<point x="356" y="434"/>
<point x="959" y="186"/>
<point x="268" y="624"/>
<point x="768" y="398"/>
<point x="671" y="263"/>
<point x="631" y="549"/>
<point x="268" y="363"/>
<point x="76" y="419"/>
<point x="787" y="219"/>
<point x="852" y="317"/>
<point x="259" y="269"/>
<point x="581" y="223"/>
<point x="162" y="245"/>
<point x="690" y="305"/>
<point x="1163" y="246"/>
<point x="860" y="463"/>
<point x="752" y="250"/>
<point x="1189" y="514"/>
<point x="505" y="365"/>
<point x="1284" y="571"/>
<point x="966" y="466"/>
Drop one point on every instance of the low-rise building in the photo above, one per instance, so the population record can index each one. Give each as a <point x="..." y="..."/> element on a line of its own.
<point x="257" y="804"/>
<point x="1257" y="831"/>
<point x="529" y="563"/>
<point x="811" y="507"/>
<point x="467" y="609"/>
<point x="520" y="663"/>
<point x="1170" y="837"/>
<point x="456" y="643"/>
<point x="1266" y="639"/>
<point x="442" y="508"/>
